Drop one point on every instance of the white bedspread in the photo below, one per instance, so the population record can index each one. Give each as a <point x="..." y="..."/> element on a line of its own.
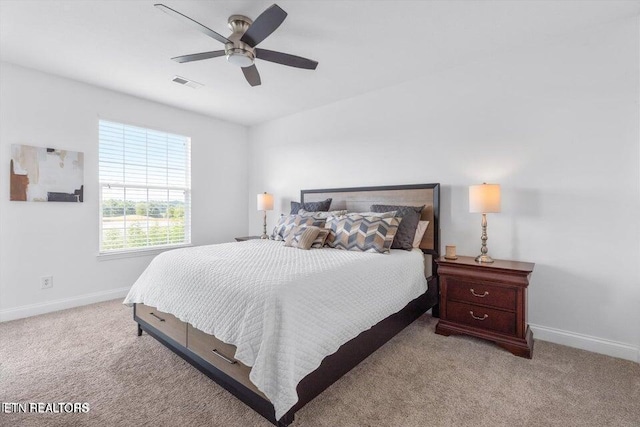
<point x="284" y="309"/>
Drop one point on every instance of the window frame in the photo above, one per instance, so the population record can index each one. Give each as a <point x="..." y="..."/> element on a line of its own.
<point x="148" y="249"/>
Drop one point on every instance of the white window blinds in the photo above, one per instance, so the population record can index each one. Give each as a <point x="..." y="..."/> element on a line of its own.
<point x="145" y="186"/>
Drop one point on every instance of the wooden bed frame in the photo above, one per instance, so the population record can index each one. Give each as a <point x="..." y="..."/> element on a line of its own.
<point x="350" y="354"/>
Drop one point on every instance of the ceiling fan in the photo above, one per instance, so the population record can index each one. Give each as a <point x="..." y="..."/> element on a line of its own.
<point x="240" y="47"/>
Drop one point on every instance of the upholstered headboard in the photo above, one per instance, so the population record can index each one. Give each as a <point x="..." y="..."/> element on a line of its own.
<point x="360" y="199"/>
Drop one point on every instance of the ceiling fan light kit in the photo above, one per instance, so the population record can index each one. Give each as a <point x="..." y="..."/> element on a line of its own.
<point x="240" y="47"/>
<point x="240" y="57"/>
<point x="237" y="52"/>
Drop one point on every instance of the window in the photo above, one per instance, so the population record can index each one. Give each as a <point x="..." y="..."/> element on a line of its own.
<point x="145" y="188"/>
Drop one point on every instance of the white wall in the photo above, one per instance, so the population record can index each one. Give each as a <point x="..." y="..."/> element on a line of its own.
<point x="556" y="125"/>
<point x="61" y="239"/>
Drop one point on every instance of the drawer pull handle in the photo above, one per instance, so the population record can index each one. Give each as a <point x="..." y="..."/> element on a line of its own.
<point x="478" y="295"/>
<point x="478" y="318"/>
<point x="157" y="317"/>
<point x="225" y="358"/>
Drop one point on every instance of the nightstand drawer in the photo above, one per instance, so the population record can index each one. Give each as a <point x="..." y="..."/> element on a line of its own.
<point x="476" y="293"/>
<point x="482" y="317"/>
<point x="164" y="322"/>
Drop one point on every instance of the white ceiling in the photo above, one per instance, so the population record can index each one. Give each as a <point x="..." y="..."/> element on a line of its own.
<point x="361" y="45"/>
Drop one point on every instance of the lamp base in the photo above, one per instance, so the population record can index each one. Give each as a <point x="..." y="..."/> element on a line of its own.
<point x="264" y="226"/>
<point x="484" y="259"/>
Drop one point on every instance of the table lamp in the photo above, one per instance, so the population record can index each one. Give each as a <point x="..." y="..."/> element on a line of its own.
<point x="265" y="203"/>
<point x="484" y="199"/>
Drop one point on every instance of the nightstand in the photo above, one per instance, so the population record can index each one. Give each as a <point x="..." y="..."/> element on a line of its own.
<point x="244" y="239"/>
<point x="487" y="301"/>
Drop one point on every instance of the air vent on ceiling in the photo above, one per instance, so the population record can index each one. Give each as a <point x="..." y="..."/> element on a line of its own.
<point x="186" y="82"/>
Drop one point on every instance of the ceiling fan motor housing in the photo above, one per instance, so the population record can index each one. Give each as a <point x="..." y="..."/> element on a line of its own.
<point x="238" y="52"/>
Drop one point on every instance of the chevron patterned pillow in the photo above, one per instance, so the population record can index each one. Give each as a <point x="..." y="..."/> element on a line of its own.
<point x="281" y="226"/>
<point x="286" y="224"/>
<point x="406" y="232"/>
<point x="362" y="233"/>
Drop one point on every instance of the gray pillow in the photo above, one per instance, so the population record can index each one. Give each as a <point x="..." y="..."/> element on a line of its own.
<point x="407" y="230"/>
<point x="322" y="206"/>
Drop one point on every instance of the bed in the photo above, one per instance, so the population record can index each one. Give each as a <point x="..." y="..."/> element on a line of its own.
<point x="286" y="351"/>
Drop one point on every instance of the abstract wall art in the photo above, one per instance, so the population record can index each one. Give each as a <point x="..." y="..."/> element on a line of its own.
<point x="41" y="174"/>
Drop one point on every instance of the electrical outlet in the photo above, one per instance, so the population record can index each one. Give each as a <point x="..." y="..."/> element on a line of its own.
<point x="46" y="282"/>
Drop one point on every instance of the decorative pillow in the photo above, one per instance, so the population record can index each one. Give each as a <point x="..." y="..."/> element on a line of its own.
<point x="422" y="228"/>
<point x="389" y="214"/>
<point x="406" y="232"/>
<point x="310" y="221"/>
<point x="362" y="233"/>
<point x="325" y="215"/>
<point x="286" y="223"/>
<point x="322" y="206"/>
<point x="321" y="239"/>
<point x="302" y="237"/>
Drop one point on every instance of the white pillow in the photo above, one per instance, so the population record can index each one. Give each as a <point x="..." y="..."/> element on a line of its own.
<point x="422" y="228"/>
<point x="324" y="215"/>
<point x="389" y="214"/>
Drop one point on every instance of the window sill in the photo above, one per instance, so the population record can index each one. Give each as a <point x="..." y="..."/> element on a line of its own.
<point x="107" y="256"/>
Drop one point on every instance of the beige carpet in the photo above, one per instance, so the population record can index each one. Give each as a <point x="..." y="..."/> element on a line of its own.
<point x="92" y="354"/>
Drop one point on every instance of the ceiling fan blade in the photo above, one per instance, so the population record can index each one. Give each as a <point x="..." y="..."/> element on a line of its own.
<point x="286" y="59"/>
<point x="199" y="56"/>
<point x="194" y="24"/>
<point x="252" y="75"/>
<point x="265" y="24"/>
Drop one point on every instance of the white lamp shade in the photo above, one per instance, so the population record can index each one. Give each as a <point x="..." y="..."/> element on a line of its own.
<point x="484" y="198"/>
<point x="265" y="202"/>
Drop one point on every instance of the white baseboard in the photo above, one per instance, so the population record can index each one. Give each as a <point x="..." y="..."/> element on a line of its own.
<point x="61" y="304"/>
<point x="543" y="333"/>
<point x="586" y="342"/>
